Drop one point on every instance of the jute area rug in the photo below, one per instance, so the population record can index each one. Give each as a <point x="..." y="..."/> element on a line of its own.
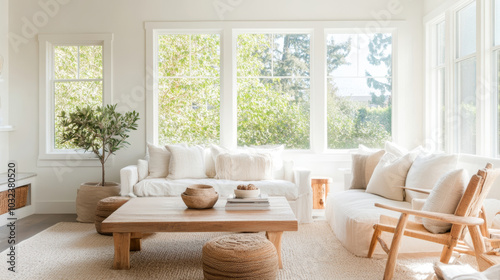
<point x="76" y="251"/>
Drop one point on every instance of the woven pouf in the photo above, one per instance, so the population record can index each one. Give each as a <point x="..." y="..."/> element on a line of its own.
<point x="240" y="256"/>
<point x="105" y="207"/>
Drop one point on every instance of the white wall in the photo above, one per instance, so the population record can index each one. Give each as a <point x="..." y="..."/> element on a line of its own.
<point x="430" y="5"/>
<point x="57" y="185"/>
<point x="4" y="85"/>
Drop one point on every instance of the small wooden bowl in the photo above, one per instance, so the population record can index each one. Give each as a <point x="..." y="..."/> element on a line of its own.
<point x="204" y="190"/>
<point x="246" y="193"/>
<point x="199" y="201"/>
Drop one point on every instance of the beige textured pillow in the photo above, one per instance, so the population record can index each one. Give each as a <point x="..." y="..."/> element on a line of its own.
<point x="275" y="151"/>
<point x="390" y="175"/>
<point x="362" y="168"/>
<point x="159" y="159"/>
<point x="244" y="167"/>
<point x="444" y="198"/>
<point x="187" y="162"/>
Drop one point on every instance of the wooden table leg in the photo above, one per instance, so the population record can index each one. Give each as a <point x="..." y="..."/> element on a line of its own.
<point x="135" y="241"/>
<point x="122" y="250"/>
<point x="275" y="238"/>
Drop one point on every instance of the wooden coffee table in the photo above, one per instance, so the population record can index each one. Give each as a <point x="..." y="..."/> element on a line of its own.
<point x="169" y="214"/>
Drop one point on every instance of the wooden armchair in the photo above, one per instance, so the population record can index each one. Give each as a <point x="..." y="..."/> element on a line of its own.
<point x="466" y="215"/>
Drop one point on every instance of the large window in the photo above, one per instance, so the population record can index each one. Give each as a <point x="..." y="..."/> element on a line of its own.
<point x="78" y="79"/>
<point x="465" y="79"/>
<point x="188" y="88"/>
<point x="359" y="87"/>
<point x="305" y="85"/>
<point x="273" y="82"/>
<point x="75" y="70"/>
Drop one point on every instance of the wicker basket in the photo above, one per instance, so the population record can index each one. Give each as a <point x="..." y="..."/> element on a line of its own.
<point x="21" y="199"/>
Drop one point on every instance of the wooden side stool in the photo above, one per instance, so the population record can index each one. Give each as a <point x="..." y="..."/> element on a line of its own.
<point x="106" y="207"/>
<point x="321" y="187"/>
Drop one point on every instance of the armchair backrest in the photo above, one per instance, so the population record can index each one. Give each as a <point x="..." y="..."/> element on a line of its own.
<point x="474" y="195"/>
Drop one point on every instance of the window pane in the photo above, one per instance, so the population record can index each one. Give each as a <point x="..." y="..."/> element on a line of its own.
<point x="442" y="111"/>
<point x="254" y="55"/>
<point x="189" y="106"/>
<point x="173" y="55"/>
<point x="273" y="111"/>
<point x="273" y="108"/>
<point x="496" y="19"/>
<point x="205" y="55"/>
<point x="359" y="89"/>
<point x="69" y="95"/>
<point x="467" y="105"/>
<point x="351" y="55"/>
<point x="466" y="33"/>
<point x="440" y="40"/>
<point x="66" y="62"/>
<point x="90" y="62"/>
<point x="188" y="110"/>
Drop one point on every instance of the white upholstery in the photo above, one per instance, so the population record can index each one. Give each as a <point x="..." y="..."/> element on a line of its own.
<point x="352" y="214"/>
<point x="167" y="187"/>
<point x="297" y="187"/>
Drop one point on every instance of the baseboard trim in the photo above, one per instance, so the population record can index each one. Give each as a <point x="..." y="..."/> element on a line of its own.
<point x="55" y="207"/>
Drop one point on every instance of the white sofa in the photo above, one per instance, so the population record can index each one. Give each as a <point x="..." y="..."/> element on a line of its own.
<point x="295" y="186"/>
<point x="352" y="214"/>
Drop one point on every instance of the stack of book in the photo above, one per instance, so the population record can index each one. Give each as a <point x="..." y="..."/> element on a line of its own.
<point x="257" y="203"/>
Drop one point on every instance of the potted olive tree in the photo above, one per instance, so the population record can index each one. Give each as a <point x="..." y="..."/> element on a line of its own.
<point x="102" y="131"/>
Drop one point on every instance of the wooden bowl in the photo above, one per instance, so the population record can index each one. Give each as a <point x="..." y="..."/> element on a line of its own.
<point x="204" y="190"/>
<point x="199" y="201"/>
<point x="246" y="193"/>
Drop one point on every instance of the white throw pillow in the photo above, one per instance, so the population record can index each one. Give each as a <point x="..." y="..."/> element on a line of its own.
<point x="142" y="169"/>
<point x="276" y="155"/>
<point x="362" y="169"/>
<point x="243" y="167"/>
<point x="395" y="149"/>
<point x="444" y="198"/>
<point x="186" y="162"/>
<point x="389" y="175"/>
<point x="426" y="171"/>
<point x="159" y="159"/>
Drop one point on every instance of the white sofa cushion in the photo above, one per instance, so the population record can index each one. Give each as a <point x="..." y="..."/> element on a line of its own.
<point x="444" y="198"/>
<point x="276" y="155"/>
<point x="362" y="168"/>
<point x="167" y="187"/>
<point x="390" y="175"/>
<point x="352" y="214"/>
<point x="159" y="159"/>
<point x="186" y="162"/>
<point x="243" y="167"/>
<point x="426" y="171"/>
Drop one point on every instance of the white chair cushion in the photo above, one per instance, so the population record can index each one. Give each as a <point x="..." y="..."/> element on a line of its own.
<point x="426" y="171"/>
<point x="444" y="198"/>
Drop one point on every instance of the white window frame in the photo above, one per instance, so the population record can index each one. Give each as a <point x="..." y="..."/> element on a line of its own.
<point x="48" y="155"/>
<point x="486" y="139"/>
<point x="229" y="31"/>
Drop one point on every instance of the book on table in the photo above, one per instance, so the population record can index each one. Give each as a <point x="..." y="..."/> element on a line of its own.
<point x="256" y="203"/>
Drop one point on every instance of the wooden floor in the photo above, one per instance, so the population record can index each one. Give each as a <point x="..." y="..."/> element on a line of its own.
<point x="31" y="225"/>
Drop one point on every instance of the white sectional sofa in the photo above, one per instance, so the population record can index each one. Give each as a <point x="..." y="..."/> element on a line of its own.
<point x="293" y="184"/>
<point x="352" y="214"/>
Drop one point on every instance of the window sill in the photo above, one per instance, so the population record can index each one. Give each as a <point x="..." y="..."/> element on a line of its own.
<point x="70" y="160"/>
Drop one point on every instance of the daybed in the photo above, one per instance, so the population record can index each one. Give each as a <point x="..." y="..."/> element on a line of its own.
<point x="167" y="171"/>
<point x="352" y="214"/>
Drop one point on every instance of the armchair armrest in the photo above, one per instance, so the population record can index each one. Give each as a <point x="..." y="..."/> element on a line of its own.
<point x="425" y="191"/>
<point x="304" y="200"/>
<point x="129" y="176"/>
<point x="449" y="218"/>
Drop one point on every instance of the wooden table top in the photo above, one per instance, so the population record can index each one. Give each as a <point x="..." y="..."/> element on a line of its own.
<point x="170" y="214"/>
